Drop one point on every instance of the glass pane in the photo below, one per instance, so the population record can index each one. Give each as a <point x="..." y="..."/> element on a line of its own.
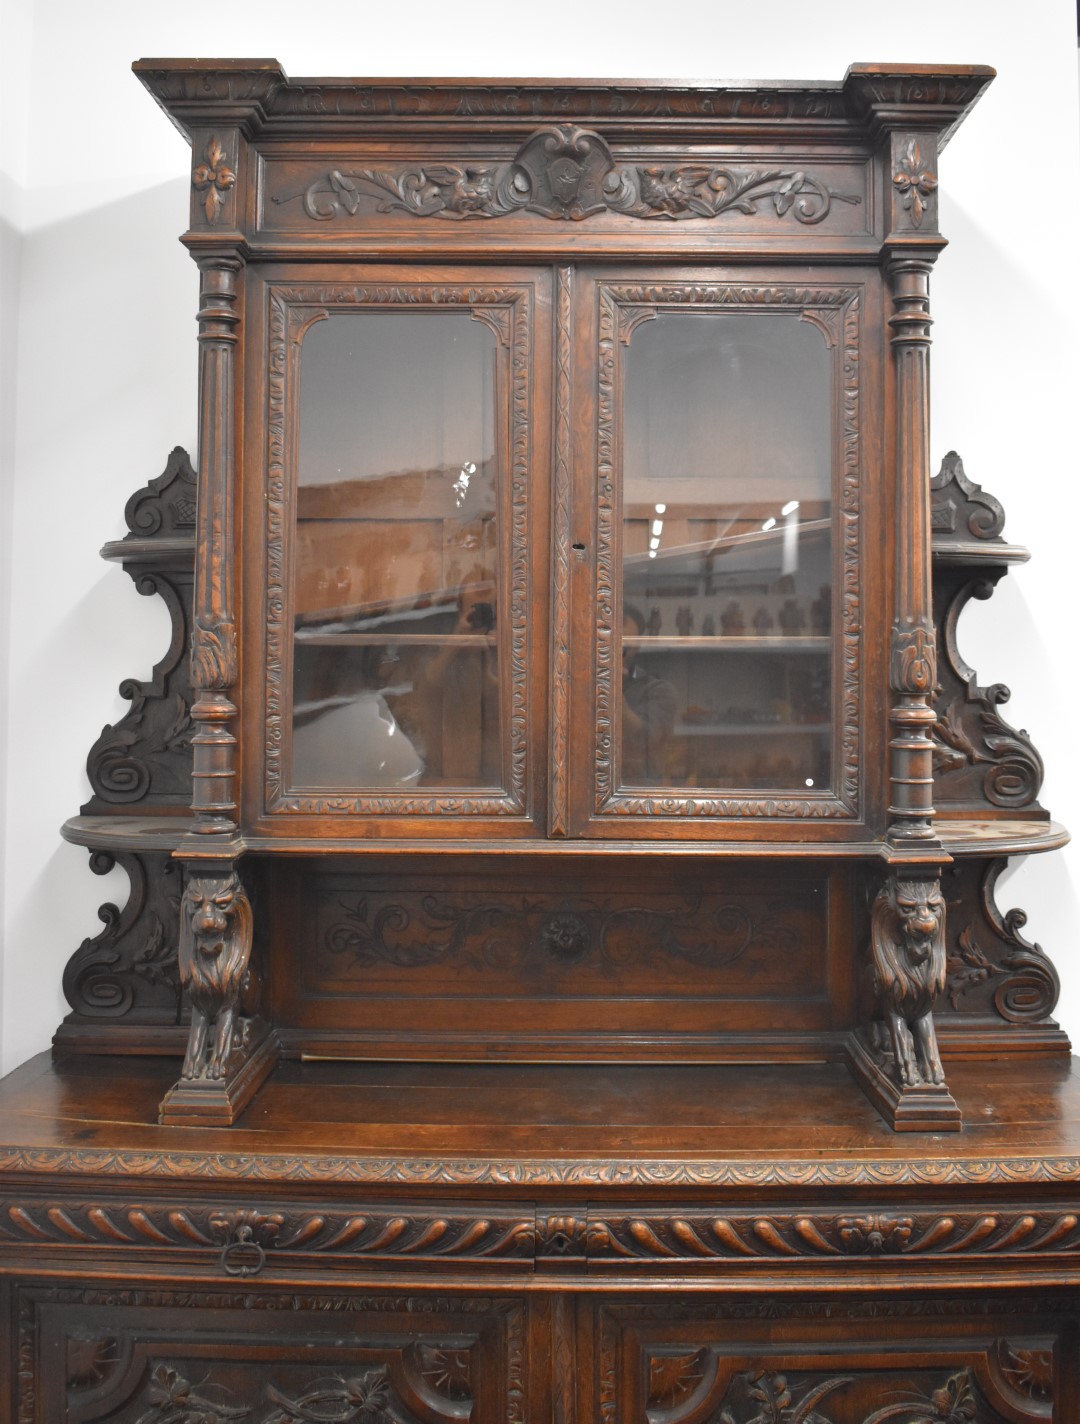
<point x="727" y="553"/>
<point x="397" y="570"/>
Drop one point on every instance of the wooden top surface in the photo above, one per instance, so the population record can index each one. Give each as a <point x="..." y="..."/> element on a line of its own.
<point x="533" y="1126"/>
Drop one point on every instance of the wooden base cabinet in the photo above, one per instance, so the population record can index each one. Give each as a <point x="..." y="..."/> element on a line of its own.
<point x="561" y="980"/>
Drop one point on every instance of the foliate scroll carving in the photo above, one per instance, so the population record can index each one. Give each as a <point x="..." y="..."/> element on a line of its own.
<point x="990" y="966"/>
<point x="959" y="506"/>
<point x="564" y="172"/>
<point x="146" y="756"/>
<point x="130" y="969"/>
<point x="368" y="931"/>
<point x="979" y="758"/>
<point x="214" y="179"/>
<point x="171" y="1399"/>
<point x="768" y="1396"/>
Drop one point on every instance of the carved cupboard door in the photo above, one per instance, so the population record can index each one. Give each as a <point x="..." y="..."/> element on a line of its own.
<point x="395" y="500"/>
<point x="721" y="585"/>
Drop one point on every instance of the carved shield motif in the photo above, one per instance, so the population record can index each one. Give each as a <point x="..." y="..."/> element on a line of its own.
<point x="565" y="168"/>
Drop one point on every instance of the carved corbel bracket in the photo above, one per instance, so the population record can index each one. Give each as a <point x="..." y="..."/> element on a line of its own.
<point x="128" y="973"/>
<point x="144" y="760"/>
<point x="1000" y="989"/>
<point x="981" y="763"/>
<point x="894" y="1055"/>
<point x="230" y="1050"/>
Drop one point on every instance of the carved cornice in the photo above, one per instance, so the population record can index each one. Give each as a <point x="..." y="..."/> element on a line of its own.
<point x="257" y="95"/>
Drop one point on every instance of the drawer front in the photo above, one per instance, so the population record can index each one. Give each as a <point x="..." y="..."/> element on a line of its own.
<point x="175" y="1356"/>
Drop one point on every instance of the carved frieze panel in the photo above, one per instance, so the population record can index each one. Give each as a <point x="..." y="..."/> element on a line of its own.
<point x="744" y="953"/>
<point x="566" y="173"/>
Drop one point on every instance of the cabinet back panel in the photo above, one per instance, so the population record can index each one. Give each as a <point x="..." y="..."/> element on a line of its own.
<point x="613" y="962"/>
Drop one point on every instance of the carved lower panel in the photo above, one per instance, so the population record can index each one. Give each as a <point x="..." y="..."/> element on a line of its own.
<point x="192" y="1357"/>
<point x="430" y="958"/>
<point x="755" y="1360"/>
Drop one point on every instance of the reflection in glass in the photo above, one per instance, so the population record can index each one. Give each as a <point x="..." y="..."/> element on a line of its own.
<point x="395" y="585"/>
<point x="727" y="602"/>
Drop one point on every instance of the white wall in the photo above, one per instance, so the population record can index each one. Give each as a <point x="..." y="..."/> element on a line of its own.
<point x="106" y="349"/>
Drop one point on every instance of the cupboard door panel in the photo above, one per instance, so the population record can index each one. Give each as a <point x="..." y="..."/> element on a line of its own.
<point x="403" y="506"/>
<point x="177" y="1356"/>
<point x="726" y="611"/>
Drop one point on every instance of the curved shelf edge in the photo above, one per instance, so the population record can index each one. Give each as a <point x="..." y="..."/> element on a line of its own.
<point x="126" y="832"/>
<point x="959" y="838"/>
<point x="991" y="837"/>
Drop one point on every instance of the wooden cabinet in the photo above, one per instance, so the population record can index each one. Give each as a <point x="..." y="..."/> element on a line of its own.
<point x="561" y="978"/>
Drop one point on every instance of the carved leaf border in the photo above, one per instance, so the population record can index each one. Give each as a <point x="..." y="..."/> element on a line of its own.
<point x="821" y="305"/>
<point x="290" y="308"/>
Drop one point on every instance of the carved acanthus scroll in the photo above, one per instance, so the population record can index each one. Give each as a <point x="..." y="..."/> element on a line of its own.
<point x="564" y="172"/>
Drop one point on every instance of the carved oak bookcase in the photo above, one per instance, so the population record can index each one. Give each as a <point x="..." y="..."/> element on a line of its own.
<point x="561" y="978"/>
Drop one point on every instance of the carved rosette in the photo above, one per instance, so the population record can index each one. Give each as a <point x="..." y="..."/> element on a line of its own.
<point x="568" y="173"/>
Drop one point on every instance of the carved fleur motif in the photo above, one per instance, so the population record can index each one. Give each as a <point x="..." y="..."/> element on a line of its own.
<point x="915" y="182"/>
<point x="214" y="178"/>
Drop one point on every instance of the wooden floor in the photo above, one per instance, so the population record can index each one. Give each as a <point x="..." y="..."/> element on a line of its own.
<point x="532" y="1124"/>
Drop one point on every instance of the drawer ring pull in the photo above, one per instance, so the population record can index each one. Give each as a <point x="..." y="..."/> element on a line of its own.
<point x="242" y="1256"/>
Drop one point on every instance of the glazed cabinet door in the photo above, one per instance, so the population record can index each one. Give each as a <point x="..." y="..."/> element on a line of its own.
<point x="396" y="498"/>
<point x="720" y="482"/>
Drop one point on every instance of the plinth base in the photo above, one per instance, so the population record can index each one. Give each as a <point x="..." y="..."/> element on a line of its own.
<point x="218" y="1102"/>
<point x="928" y="1107"/>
